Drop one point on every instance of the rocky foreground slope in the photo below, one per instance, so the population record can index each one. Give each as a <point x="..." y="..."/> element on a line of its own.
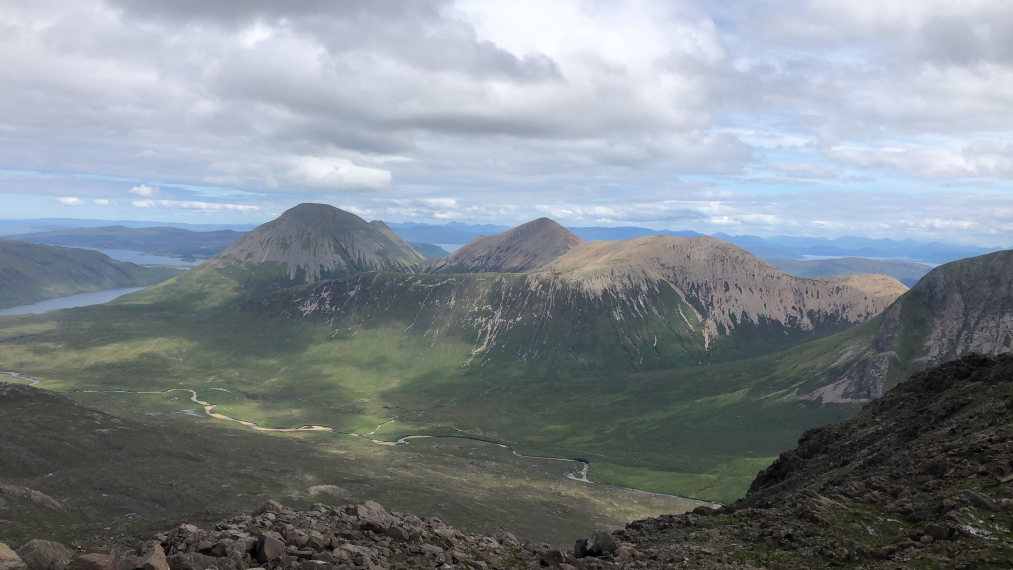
<point x="922" y="478"/>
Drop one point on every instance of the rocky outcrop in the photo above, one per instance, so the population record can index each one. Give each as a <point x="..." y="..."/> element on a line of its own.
<point x="527" y="247"/>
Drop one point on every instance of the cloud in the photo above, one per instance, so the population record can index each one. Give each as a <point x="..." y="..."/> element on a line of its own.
<point x="100" y="202"/>
<point x="143" y="190"/>
<point x="336" y="174"/>
<point x="194" y="205"/>
<point x="983" y="159"/>
<point x="500" y="108"/>
<point x="70" y="201"/>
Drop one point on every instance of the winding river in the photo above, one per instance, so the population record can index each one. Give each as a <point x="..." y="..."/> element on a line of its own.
<point x="209" y="409"/>
<point x="580" y="475"/>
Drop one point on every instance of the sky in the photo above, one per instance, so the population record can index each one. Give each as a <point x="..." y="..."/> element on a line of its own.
<point x="823" y="118"/>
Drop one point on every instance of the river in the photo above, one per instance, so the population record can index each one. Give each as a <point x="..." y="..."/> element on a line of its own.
<point x="79" y="300"/>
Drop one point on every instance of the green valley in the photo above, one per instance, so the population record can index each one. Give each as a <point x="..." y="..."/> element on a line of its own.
<point x="622" y="353"/>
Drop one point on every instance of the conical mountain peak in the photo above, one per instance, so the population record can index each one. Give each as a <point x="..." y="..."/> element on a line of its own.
<point x="316" y="241"/>
<point x="527" y="247"/>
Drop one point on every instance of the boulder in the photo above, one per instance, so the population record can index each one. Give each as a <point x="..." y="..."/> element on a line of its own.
<point x="372" y="516"/>
<point x="601" y="543"/>
<point x="45" y="555"/>
<point x="9" y="560"/>
<point x="270" y="546"/>
<point x="153" y="559"/>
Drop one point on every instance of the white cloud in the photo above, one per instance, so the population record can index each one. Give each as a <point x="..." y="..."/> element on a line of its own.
<point x="143" y="190"/>
<point x="336" y="174"/>
<point x="983" y="159"/>
<point x="194" y="205"/>
<point x="100" y="201"/>
<point x="70" y="201"/>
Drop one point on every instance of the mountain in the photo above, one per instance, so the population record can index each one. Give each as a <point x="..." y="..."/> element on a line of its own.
<point x="907" y="272"/>
<point x="918" y="479"/>
<point x="32" y="272"/>
<point x="429" y="250"/>
<point x="646" y="303"/>
<point x="525" y="248"/>
<point x="728" y="286"/>
<point x="958" y="308"/>
<point x="172" y="242"/>
<point x="317" y="241"/>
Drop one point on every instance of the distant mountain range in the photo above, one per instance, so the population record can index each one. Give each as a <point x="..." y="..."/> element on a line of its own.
<point x="776" y="247"/>
<point x="60" y="231"/>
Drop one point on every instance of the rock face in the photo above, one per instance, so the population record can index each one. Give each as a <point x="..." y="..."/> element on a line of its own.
<point x="528" y="247"/>
<point x="728" y="285"/>
<point x="958" y="308"/>
<point x="316" y="241"/>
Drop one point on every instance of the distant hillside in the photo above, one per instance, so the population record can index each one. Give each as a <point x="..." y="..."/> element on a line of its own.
<point x="907" y="272"/>
<point x="527" y="247"/>
<point x="962" y="307"/>
<point x="852" y="246"/>
<point x="172" y="242"/>
<point x="31" y="272"/>
<point x="429" y="250"/>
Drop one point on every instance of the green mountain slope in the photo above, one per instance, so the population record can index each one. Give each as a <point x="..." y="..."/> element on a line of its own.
<point x="32" y="272"/>
<point x="958" y="308"/>
<point x="172" y="242"/>
<point x="907" y="272"/>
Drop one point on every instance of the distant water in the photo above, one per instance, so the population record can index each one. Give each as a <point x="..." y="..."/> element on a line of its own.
<point x="81" y="300"/>
<point x="825" y="257"/>
<point x="141" y="258"/>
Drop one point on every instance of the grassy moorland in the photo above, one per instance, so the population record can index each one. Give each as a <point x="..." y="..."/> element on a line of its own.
<point x="150" y="466"/>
